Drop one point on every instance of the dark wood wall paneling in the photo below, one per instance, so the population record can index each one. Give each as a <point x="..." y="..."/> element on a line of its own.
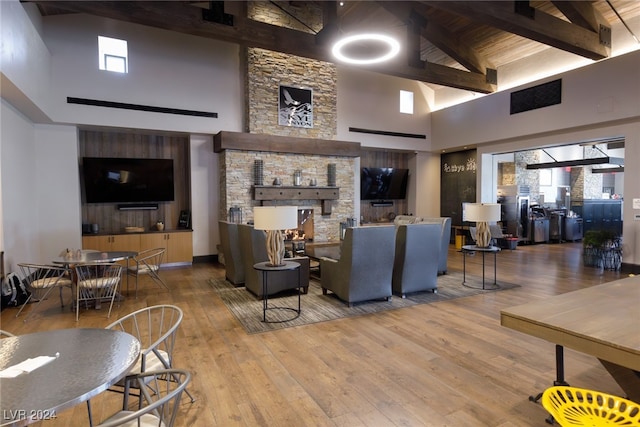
<point x="100" y="143"/>
<point x="383" y="159"/>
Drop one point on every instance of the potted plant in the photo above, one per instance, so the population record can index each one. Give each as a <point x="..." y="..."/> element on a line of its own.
<point x="601" y="248"/>
<point x="160" y="225"/>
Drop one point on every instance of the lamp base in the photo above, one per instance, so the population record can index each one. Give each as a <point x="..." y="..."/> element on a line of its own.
<point x="483" y="235"/>
<point x="275" y="248"/>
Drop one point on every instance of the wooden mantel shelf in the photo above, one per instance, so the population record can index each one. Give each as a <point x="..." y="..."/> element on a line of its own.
<point x="281" y="192"/>
<point x="243" y="141"/>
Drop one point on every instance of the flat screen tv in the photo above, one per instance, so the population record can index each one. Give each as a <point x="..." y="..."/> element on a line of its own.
<point x="123" y="180"/>
<point x="383" y="183"/>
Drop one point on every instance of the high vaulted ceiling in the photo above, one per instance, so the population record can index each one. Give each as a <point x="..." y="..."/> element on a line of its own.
<point x="459" y="44"/>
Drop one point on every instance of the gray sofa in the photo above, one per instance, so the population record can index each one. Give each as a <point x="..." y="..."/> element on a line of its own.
<point x="445" y="235"/>
<point x="415" y="266"/>
<point x="254" y="250"/>
<point x="365" y="267"/>
<point x="230" y="242"/>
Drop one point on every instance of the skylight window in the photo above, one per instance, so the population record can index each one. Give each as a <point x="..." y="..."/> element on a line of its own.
<point x="406" y="102"/>
<point x="112" y="55"/>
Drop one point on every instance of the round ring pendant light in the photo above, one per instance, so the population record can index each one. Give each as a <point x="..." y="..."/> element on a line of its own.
<point x="391" y="43"/>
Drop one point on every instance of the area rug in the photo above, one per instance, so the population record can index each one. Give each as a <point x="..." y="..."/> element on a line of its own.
<point x="319" y="308"/>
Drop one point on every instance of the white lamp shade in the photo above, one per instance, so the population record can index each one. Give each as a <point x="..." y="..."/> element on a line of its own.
<point x="275" y="217"/>
<point x="481" y="212"/>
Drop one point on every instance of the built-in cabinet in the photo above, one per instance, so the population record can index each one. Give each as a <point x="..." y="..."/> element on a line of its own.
<point x="178" y="244"/>
<point x="112" y="242"/>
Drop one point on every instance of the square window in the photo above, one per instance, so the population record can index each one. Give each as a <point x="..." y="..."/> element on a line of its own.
<point x="112" y="54"/>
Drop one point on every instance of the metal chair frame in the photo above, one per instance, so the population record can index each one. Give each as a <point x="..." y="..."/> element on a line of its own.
<point x="148" y="263"/>
<point x="41" y="280"/>
<point x="97" y="282"/>
<point x="160" y="394"/>
<point x="156" y="329"/>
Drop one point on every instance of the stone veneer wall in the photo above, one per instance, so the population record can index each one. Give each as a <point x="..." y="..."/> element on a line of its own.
<point x="583" y="183"/>
<point x="237" y="168"/>
<point x="528" y="177"/>
<point x="265" y="72"/>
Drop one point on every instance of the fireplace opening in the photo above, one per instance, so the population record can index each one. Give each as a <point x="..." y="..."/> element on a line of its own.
<point x="304" y="231"/>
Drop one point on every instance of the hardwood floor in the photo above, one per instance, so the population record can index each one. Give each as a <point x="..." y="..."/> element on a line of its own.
<point x="441" y="364"/>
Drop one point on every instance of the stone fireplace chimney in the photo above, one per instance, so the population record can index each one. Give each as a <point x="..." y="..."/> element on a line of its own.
<point x="307" y="149"/>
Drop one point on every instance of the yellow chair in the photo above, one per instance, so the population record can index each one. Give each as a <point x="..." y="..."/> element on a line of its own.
<point x="571" y="406"/>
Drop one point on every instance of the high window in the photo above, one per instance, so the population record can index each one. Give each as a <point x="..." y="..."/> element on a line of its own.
<point x="406" y="102"/>
<point x="112" y="55"/>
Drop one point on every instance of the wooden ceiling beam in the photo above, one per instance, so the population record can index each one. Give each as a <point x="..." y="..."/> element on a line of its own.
<point x="441" y="75"/>
<point x="187" y="19"/>
<point x="582" y="13"/>
<point x="541" y="27"/>
<point x="439" y="36"/>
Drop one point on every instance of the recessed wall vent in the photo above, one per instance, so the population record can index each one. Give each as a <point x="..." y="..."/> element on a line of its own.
<point x="536" y="97"/>
<point x="138" y="107"/>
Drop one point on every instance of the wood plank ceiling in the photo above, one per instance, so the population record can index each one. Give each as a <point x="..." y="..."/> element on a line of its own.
<point x="458" y="44"/>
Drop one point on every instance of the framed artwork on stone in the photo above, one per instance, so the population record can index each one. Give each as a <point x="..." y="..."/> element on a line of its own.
<point x="295" y="107"/>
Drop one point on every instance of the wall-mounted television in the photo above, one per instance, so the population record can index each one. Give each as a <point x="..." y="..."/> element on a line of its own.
<point x="383" y="183"/>
<point x="123" y="180"/>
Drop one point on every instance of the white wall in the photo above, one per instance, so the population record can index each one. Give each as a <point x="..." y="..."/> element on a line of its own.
<point x="372" y="101"/>
<point x="24" y="58"/>
<point x="427" y="185"/>
<point x="19" y="206"/>
<point x="40" y="189"/>
<point x="205" y="192"/>
<point x="603" y="92"/>
<point x="57" y="189"/>
<point x="163" y="72"/>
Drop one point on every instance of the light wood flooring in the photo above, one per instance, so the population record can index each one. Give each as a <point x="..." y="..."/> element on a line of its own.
<point x="441" y="364"/>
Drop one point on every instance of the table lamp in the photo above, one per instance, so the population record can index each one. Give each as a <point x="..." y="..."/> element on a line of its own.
<point x="274" y="219"/>
<point x="482" y="214"/>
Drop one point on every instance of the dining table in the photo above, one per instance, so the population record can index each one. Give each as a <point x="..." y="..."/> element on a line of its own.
<point x="602" y="321"/>
<point x="83" y="257"/>
<point x="44" y="373"/>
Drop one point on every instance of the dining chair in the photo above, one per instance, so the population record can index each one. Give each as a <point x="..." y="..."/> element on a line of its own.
<point x="156" y="328"/>
<point x="97" y="282"/>
<point x="147" y="263"/>
<point x="160" y="394"/>
<point x="41" y="280"/>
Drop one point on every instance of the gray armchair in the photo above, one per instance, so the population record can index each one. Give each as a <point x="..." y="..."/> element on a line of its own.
<point x="415" y="266"/>
<point x="254" y="250"/>
<point x="365" y="267"/>
<point x="230" y="242"/>
<point x="445" y="240"/>
<point x="445" y="235"/>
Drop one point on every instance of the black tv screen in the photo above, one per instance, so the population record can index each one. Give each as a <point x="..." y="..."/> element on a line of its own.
<point x="383" y="183"/>
<point x="122" y="180"/>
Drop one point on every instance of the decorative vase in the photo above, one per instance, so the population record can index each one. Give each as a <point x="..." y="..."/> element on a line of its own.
<point x="160" y="226"/>
<point x="258" y="172"/>
<point x="331" y="175"/>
